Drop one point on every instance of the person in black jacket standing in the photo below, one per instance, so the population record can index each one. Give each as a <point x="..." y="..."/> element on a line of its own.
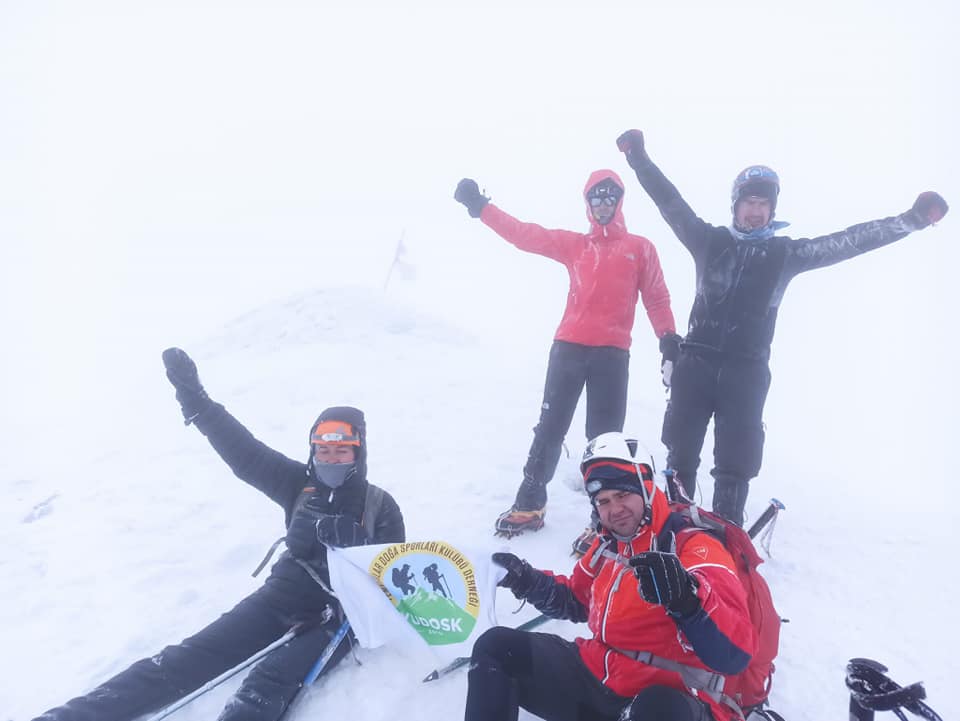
<point x="721" y="367"/>
<point x="327" y="501"/>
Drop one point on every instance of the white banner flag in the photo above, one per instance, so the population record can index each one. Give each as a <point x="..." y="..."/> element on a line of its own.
<point x="441" y="592"/>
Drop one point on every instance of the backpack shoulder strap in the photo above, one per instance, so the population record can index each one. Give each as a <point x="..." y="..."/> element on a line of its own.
<point x="371" y="510"/>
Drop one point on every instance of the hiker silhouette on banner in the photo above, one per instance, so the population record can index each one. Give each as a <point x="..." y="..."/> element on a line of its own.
<point x="433" y="575"/>
<point x="401" y="578"/>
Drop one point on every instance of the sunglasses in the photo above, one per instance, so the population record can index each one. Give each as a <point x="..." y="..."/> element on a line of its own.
<point x="608" y="200"/>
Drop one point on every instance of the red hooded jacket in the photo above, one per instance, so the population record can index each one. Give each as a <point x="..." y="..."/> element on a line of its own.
<point x="608" y="268"/>
<point x="620" y="620"/>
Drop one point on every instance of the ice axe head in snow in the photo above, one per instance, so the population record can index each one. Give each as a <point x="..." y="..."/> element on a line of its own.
<point x="614" y="462"/>
<point x="338" y="448"/>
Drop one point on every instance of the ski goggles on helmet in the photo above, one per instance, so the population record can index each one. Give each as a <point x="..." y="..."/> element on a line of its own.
<point x="335" y="432"/>
<point x="757" y="180"/>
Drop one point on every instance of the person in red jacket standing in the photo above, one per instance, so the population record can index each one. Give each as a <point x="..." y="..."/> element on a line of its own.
<point x="665" y="628"/>
<point x="609" y="268"/>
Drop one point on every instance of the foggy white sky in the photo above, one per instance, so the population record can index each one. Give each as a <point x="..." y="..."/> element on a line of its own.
<point x="165" y="166"/>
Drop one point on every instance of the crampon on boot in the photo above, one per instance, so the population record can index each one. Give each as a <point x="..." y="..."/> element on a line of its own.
<point x="581" y="544"/>
<point x="513" y="522"/>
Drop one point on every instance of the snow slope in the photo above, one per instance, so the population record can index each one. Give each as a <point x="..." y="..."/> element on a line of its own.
<point x="233" y="178"/>
<point x="121" y="552"/>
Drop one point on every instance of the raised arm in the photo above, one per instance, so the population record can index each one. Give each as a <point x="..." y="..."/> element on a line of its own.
<point x="690" y="229"/>
<point x="556" y="244"/>
<point x="809" y="253"/>
<point x="267" y="470"/>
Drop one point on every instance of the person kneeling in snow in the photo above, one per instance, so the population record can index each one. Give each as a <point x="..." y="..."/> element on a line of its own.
<point x="327" y="501"/>
<point x="658" y="619"/>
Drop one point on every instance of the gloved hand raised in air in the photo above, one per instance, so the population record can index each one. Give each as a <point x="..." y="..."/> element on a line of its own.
<point x="663" y="580"/>
<point x="520" y="577"/>
<point x="930" y="208"/>
<point x="182" y="373"/>
<point x="630" y="143"/>
<point x="670" y="351"/>
<point x="468" y="193"/>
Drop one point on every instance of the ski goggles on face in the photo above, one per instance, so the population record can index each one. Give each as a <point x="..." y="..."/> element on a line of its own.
<point x="336" y="432"/>
<point x="608" y="200"/>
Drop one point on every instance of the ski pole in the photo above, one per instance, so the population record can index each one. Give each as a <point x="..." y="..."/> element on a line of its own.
<point x="461" y="661"/>
<point x="768" y="515"/>
<point x="319" y="665"/>
<point x="327" y="654"/>
<point x="871" y="689"/>
<point x="230" y="673"/>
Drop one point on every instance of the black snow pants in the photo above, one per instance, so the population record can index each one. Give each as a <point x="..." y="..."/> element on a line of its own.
<point x="288" y="597"/>
<point x="539" y="672"/>
<point x="662" y="703"/>
<point x="605" y="372"/>
<point x="733" y="391"/>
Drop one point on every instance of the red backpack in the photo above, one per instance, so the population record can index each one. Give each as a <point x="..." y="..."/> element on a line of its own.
<point x="750" y="687"/>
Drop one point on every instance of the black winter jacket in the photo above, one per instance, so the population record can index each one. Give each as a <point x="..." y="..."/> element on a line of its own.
<point x="740" y="283"/>
<point x="290" y="484"/>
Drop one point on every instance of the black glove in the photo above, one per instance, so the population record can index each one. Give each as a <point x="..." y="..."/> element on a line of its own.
<point x="931" y="207"/>
<point x="302" y="536"/>
<point x="468" y="193"/>
<point x="182" y="373"/>
<point x="520" y="576"/>
<point x="670" y="350"/>
<point x="664" y="581"/>
<point x="630" y="144"/>
<point x="340" y="531"/>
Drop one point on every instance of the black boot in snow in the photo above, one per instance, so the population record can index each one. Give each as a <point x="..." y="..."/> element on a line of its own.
<point x="729" y="499"/>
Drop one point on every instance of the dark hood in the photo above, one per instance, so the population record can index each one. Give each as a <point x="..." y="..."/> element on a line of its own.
<point x="349" y="498"/>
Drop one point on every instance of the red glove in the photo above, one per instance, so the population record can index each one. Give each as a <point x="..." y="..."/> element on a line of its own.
<point x="931" y="207"/>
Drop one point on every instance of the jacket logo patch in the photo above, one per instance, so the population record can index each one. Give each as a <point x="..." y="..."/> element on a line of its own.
<point x="701" y="551"/>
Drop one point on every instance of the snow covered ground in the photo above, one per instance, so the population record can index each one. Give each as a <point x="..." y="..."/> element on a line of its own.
<point x="123" y="551"/>
<point x="234" y="180"/>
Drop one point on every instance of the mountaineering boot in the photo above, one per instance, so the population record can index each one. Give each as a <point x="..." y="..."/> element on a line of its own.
<point x="681" y="486"/>
<point x="677" y="489"/>
<point x="513" y="522"/>
<point x="729" y="499"/>
<point x="581" y="544"/>
<point x="527" y="511"/>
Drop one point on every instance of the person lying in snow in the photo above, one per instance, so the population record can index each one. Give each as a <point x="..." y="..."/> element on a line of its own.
<point x="327" y="501"/>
